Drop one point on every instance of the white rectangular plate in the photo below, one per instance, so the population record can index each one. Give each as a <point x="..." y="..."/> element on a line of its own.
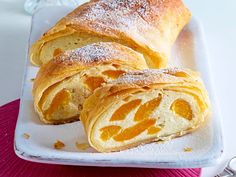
<point x="206" y="143"/>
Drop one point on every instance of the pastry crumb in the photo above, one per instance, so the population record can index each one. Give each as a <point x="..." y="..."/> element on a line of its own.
<point x="26" y="135"/>
<point x="32" y="80"/>
<point x="82" y="146"/>
<point x="188" y="149"/>
<point x="59" y="145"/>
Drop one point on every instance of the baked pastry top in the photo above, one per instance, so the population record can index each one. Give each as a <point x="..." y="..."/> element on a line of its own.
<point x="149" y="27"/>
<point x="144" y="106"/>
<point x="62" y="84"/>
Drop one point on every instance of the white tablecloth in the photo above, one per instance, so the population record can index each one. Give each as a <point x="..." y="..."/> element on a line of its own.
<point x="219" y="21"/>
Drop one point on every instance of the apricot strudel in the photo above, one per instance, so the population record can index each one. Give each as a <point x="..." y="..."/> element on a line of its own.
<point x="144" y="106"/>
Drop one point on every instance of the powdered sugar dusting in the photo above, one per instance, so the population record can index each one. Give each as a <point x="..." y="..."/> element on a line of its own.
<point x="102" y="51"/>
<point x="149" y="76"/>
<point x="122" y="15"/>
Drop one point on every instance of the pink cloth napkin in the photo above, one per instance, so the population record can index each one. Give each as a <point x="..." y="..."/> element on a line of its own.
<point x="11" y="165"/>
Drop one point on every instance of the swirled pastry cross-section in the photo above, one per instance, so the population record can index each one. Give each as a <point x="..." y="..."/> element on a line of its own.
<point x="62" y="84"/>
<point x="145" y="106"/>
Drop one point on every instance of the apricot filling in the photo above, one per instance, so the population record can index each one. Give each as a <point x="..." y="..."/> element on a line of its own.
<point x="113" y="74"/>
<point x="135" y="130"/>
<point x="182" y="108"/>
<point x="125" y="109"/>
<point x="94" y="82"/>
<point x="178" y="74"/>
<point x="62" y="98"/>
<point x="147" y="109"/>
<point x="57" y="52"/>
<point x="153" y="130"/>
<point x="202" y="105"/>
<point x="116" y="65"/>
<point x="109" y="131"/>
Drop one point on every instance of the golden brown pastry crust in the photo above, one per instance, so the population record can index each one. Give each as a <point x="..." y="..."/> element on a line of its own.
<point x="147" y="26"/>
<point x="102" y="101"/>
<point x="71" y="63"/>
